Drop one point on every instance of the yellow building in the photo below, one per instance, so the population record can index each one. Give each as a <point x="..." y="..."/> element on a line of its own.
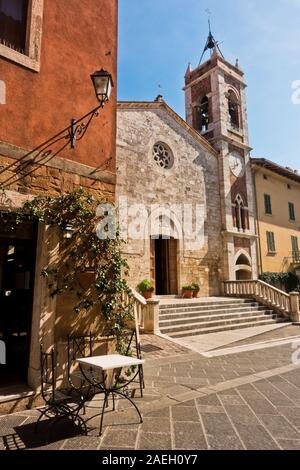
<point x="278" y="216"/>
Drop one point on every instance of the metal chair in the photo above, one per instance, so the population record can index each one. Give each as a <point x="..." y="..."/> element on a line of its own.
<point x="133" y="348"/>
<point x="59" y="404"/>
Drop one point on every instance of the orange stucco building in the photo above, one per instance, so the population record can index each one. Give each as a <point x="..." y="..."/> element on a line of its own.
<point x="48" y="50"/>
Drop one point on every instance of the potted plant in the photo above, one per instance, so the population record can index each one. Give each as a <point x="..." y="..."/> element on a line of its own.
<point x="86" y="278"/>
<point x="196" y="290"/>
<point x="187" y="292"/>
<point x="146" y="289"/>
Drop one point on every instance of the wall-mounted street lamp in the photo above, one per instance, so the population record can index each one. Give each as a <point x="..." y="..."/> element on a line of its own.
<point x="103" y="85"/>
<point x="68" y="231"/>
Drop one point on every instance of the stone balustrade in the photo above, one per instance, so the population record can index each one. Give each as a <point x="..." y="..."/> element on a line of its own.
<point x="283" y="303"/>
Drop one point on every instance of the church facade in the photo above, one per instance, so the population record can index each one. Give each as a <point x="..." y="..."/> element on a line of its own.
<point x="185" y="188"/>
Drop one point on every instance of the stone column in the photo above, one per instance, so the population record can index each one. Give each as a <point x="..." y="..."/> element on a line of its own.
<point x="295" y="309"/>
<point x="151" y="316"/>
<point x="44" y="306"/>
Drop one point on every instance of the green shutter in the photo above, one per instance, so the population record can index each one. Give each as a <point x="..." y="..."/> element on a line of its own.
<point x="292" y="211"/>
<point x="271" y="242"/>
<point x="295" y="246"/>
<point x="268" y="204"/>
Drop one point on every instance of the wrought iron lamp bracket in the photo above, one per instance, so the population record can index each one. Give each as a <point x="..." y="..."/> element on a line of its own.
<point x="79" y="127"/>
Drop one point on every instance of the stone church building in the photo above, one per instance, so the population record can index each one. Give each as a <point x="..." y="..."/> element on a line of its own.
<point x="168" y="167"/>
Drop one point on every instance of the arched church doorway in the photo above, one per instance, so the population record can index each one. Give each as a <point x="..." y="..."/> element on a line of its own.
<point x="243" y="275"/>
<point x="243" y="267"/>
<point x="164" y="265"/>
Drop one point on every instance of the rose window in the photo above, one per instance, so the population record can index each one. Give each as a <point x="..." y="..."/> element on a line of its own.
<point x="163" y="156"/>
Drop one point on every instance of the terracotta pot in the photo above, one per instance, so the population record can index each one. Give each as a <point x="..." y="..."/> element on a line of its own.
<point x="86" y="279"/>
<point x="148" y="294"/>
<point x="187" y="294"/>
<point x="196" y="294"/>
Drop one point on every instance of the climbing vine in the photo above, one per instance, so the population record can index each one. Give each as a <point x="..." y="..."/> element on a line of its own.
<point x="85" y="254"/>
<point x="287" y="281"/>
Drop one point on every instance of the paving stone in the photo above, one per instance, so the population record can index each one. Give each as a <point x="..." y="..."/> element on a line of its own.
<point x="154" y="441"/>
<point x="82" y="443"/>
<point x="185" y="413"/>
<point x="288" y="389"/>
<point x="262" y="406"/>
<point x="242" y="414"/>
<point x="210" y="409"/>
<point x="162" y="413"/>
<point x="231" y="442"/>
<point x="279" y="427"/>
<point x="291" y="413"/>
<point x="9" y="423"/>
<point x="119" y="437"/>
<point x="217" y="424"/>
<point x="156" y="425"/>
<point x="230" y="392"/>
<point x="189" y="436"/>
<point x="232" y="400"/>
<point x="289" y="444"/>
<point x="211" y="400"/>
<point x="255" y="437"/>
<point x="274" y="395"/>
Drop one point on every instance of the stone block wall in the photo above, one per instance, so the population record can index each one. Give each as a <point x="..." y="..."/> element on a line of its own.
<point x="193" y="179"/>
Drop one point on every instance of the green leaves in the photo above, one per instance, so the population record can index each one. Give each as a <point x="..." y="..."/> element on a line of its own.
<point x="83" y="253"/>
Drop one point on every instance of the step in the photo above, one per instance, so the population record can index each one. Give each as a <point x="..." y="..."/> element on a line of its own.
<point x="186" y="319"/>
<point x="197" y="311"/>
<point x="211" y="324"/>
<point x="219" y="329"/>
<point x="191" y="303"/>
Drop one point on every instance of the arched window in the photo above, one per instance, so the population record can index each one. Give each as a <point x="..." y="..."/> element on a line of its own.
<point x="240" y="213"/>
<point x="233" y="108"/>
<point x="242" y="259"/>
<point x="204" y="114"/>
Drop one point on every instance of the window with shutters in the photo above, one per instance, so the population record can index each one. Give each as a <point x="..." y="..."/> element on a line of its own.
<point x="295" y="249"/>
<point x="268" y="204"/>
<point x="292" y="213"/>
<point x="271" y="242"/>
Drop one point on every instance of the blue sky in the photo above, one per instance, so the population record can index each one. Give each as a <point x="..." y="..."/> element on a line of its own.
<point x="157" y="39"/>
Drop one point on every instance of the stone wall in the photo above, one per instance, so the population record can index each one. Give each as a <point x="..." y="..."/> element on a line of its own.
<point x="193" y="179"/>
<point x="23" y="178"/>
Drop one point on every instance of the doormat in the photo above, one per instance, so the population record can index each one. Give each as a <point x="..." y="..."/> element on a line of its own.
<point x="148" y="348"/>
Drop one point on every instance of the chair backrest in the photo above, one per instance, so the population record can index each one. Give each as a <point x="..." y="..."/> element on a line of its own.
<point x="48" y="374"/>
<point x="78" y="347"/>
<point x="133" y="341"/>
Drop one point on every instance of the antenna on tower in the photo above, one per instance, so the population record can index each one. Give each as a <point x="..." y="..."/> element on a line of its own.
<point x="211" y="43"/>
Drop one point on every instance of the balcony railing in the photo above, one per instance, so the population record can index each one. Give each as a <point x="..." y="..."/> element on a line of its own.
<point x="296" y="257"/>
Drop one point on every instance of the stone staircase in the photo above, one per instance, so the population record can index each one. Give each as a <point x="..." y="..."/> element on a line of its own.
<point x="182" y="318"/>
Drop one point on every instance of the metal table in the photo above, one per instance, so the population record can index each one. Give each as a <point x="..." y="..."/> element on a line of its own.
<point x="113" y="363"/>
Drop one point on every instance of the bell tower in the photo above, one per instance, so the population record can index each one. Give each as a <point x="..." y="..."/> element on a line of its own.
<point x="215" y="96"/>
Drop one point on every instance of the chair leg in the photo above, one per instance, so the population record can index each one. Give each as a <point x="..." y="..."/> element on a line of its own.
<point x="44" y="413"/>
<point x="132" y="402"/>
<point x="142" y="383"/>
<point x="103" y="411"/>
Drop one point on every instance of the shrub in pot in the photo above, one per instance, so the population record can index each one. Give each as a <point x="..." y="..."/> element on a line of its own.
<point x="187" y="292"/>
<point x="146" y="289"/>
<point x="196" y="290"/>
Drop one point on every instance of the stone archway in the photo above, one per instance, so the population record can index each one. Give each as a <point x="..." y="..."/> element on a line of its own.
<point x="243" y="266"/>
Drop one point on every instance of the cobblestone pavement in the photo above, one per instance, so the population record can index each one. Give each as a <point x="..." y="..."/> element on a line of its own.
<point x="249" y="400"/>
<point x="286" y="332"/>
